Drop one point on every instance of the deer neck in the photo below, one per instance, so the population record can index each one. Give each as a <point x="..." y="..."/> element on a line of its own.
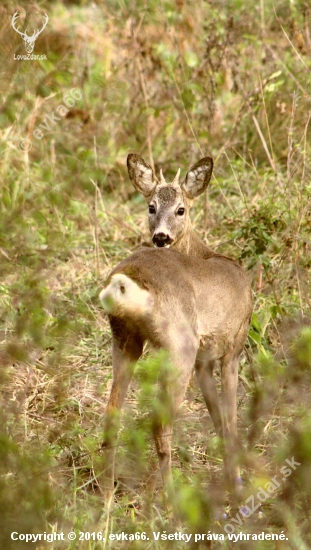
<point x="192" y="245"/>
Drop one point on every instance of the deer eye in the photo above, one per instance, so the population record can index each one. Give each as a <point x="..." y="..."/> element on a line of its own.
<point x="180" y="211"/>
<point x="151" y="209"/>
<point x="122" y="288"/>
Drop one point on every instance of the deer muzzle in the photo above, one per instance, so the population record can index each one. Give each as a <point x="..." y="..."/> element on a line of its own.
<point x="161" y="239"/>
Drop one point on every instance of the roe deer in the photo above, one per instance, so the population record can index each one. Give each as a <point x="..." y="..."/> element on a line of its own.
<point x="169" y="204"/>
<point x="199" y="311"/>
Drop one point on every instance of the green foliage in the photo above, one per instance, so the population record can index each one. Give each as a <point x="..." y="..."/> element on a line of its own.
<point x="26" y="498"/>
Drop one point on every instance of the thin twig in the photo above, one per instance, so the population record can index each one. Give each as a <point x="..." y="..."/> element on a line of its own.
<point x="144" y="91"/>
<point x="237" y="182"/>
<point x="305" y="147"/>
<point x="186" y="113"/>
<point x="290" y="42"/>
<point x="263" y="141"/>
<point x="267" y="121"/>
<point x="290" y="136"/>
<point x="280" y="62"/>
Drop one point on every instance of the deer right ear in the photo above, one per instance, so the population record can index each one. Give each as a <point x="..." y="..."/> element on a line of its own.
<point x="141" y="175"/>
<point x="198" y="177"/>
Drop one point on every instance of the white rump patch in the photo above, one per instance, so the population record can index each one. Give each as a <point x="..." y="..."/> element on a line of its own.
<point x="124" y="296"/>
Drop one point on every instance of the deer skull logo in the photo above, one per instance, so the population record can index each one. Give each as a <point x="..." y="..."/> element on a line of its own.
<point x="29" y="40"/>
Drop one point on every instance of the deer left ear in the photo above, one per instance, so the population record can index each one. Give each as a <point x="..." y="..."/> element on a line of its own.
<point x="141" y="175"/>
<point x="198" y="177"/>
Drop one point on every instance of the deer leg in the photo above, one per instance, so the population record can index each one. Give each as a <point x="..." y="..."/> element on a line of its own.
<point x="124" y="357"/>
<point x="204" y="371"/>
<point x="171" y="394"/>
<point x="229" y="382"/>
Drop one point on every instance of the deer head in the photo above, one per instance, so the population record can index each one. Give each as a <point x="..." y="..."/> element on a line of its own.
<point x="29" y="40"/>
<point x="169" y="203"/>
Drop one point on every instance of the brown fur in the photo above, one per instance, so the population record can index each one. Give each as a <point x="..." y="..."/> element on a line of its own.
<point x="201" y="313"/>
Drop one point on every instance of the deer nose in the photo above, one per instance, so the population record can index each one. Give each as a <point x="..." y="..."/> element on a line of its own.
<point x="161" y="239"/>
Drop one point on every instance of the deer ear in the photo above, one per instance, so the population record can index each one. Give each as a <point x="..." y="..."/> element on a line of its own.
<point x="141" y="175"/>
<point x="198" y="177"/>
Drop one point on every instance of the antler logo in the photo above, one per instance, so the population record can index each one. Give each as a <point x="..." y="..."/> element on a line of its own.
<point x="29" y="40"/>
